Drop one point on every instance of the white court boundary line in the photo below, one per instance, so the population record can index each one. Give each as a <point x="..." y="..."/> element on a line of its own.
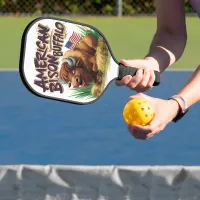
<point x="180" y="70"/>
<point x="169" y="70"/>
<point x="8" y="70"/>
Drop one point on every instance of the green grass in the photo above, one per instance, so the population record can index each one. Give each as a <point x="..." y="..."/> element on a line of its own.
<point x="82" y="92"/>
<point x="128" y="37"/>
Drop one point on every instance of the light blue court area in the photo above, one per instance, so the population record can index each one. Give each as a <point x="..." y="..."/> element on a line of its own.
<point x="35" y="130"/>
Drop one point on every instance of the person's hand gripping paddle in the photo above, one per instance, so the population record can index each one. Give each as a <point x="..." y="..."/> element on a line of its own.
<point x="69" y="61"/>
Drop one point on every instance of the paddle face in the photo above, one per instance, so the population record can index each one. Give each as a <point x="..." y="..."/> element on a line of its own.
<point x="66" y="61"/>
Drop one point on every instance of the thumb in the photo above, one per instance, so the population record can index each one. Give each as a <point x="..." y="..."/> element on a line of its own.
<point x="133" y="63"/>
<point x="155" y="123"/>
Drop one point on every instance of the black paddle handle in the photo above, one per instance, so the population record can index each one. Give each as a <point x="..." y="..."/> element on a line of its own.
<point x="124" y="71"/>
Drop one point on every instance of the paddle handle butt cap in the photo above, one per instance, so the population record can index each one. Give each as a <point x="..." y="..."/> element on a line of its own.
<point x="124" y="71"/>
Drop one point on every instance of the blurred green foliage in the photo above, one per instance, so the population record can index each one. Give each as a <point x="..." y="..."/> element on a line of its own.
<point x="86" y="7"/>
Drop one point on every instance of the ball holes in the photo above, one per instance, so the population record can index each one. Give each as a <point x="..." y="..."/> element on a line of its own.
<point x="142" y="109"/>
<point x="146" y="115"/>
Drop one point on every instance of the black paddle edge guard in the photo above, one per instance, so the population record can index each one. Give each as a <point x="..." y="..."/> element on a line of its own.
<point x="124" y="71"/>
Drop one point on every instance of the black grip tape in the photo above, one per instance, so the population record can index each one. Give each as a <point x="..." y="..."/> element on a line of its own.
<point x="124" y="71"/>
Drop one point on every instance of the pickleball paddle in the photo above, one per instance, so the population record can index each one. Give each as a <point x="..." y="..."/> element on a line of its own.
<point x="68" y="61"/>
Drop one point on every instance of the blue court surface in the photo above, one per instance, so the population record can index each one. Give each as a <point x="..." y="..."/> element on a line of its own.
<point x="35" y="130"/>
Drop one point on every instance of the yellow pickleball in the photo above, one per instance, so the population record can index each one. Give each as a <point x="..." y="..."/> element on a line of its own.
<point x="138" y="111"/>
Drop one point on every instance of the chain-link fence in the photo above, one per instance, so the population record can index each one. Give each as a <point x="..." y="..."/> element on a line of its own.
<point x="80" y="7"/>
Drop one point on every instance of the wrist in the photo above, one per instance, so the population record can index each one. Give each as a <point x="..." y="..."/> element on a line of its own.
<point x="182" y="107"/>
<point x="154" y="63"/>
<point x="175" y="107"/>
<point x="163" y="57"/>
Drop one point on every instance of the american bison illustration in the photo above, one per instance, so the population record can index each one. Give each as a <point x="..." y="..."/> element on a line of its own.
<point x="83" y="65"/>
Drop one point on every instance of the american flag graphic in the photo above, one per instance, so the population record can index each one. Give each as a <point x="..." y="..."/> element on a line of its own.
<point x="73" y="40"/>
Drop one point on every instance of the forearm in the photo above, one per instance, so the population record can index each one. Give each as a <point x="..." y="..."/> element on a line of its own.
<point x="170" y="38"/>
<point x="191" y="91"/>
<point x="166" y="48"/>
